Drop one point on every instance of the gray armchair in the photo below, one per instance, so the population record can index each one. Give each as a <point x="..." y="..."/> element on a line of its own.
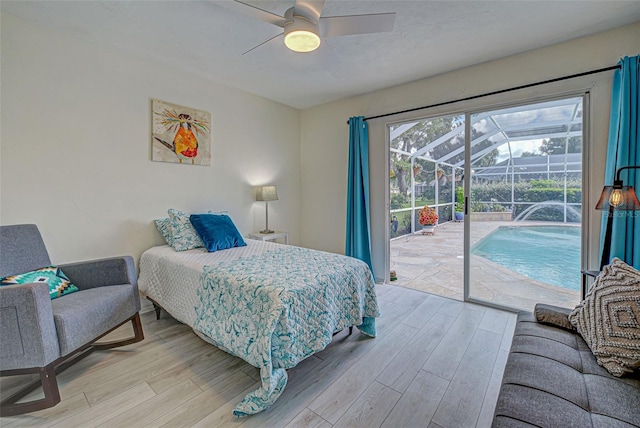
<point x="44" y="336"/>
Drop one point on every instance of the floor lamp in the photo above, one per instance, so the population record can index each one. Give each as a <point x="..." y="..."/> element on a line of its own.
<point x="616" y="197"/>
<point x="266" y="194"/>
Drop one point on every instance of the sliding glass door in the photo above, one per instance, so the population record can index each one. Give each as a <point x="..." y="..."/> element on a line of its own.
<point x="525" y="204"/>
<point x="423" y="186"/>
<point x="506" y="185"/>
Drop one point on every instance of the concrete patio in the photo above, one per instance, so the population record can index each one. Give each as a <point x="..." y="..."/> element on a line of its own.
<point x="435" y="264"/>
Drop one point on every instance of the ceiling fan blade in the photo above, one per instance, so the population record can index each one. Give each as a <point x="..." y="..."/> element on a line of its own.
<point x="309" y="8"/>
<point x="254" y="12"/>
<point x="265" y="42"/>
<point x="356" y="24"/>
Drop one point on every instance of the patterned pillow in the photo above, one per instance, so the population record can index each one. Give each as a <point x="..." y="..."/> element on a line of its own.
<point x="184" y="236"/>
<point x="164" y="227"/>
<point x="609" y="318"/>
<point x="59" y="284"/>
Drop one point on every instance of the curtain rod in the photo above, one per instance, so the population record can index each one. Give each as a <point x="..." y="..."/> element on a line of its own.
<point x="501" y="91"/>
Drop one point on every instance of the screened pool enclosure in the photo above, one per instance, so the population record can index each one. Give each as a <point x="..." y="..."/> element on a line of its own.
<point x="525" y="162"/>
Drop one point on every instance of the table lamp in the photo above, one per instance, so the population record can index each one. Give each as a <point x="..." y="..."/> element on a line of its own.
<point x="266" y="194"/>
<point x="616" y="197"/>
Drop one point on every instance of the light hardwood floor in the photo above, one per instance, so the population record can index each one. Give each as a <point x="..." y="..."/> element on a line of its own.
<point x="436" y="362"/>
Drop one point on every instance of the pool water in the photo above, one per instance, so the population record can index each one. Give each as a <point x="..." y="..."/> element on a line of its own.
<point x="549" y="254"/>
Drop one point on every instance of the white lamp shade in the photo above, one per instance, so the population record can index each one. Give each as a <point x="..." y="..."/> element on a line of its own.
<point x="266" y="193"/>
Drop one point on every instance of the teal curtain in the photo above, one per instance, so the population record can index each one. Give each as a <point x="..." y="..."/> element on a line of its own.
<point x="358" y="233"/>
<point x="623" y="150"/>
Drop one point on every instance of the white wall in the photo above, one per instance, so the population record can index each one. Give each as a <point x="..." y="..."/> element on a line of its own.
<point x="75" y="147"/>
<point x="324" y="132"/>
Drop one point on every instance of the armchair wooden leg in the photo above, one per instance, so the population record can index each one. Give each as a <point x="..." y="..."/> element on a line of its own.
<point x="137" y="328"/>
<point x="49" y="383"/>
<point x="138" y="335"/>
<point x="47" y="375"/>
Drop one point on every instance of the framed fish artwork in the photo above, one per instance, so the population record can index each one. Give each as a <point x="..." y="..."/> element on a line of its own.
<point x="180" y="134"/>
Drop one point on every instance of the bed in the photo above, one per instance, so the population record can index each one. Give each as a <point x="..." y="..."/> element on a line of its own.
<point x="272" y="305"/>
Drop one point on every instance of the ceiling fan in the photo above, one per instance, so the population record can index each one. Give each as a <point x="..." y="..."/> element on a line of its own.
<point x="304" y="27"/>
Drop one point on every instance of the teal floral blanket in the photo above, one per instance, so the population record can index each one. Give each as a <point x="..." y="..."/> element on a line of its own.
<point x="277" y="308"/>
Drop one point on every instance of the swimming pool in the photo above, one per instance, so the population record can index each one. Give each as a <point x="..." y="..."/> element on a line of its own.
<point x="549" y="254"/>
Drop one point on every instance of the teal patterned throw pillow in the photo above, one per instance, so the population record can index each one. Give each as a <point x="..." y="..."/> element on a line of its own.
<point x="164" y="227"/>
<point x="59" y="284"/>
<point x="183" y="234"/>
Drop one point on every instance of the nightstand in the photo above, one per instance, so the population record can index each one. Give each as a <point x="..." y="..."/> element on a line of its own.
<point x="270" y="236"/>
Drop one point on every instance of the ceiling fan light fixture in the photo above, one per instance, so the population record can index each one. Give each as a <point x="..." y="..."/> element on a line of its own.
<point x="302" y="41"/>
<point x="301" y="35"/>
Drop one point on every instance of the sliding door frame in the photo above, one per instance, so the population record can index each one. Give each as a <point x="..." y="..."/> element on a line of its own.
<point x="585" y="201"/>
<point x="586" y="159"/>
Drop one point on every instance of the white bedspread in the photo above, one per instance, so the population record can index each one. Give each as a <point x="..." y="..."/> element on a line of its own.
<point x="172" y="278"/>
<point x="269" y="304"/>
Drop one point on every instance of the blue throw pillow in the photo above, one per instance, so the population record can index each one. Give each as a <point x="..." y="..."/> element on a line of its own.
<point x="58" y="283"/>
<point x="216" y="231"/>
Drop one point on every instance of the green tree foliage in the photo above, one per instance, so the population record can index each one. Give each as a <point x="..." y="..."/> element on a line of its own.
<point x="459" y="199"/>
<point x="397" y="201"/>
<point x="400" y="166"/>
<point x="425" y="132"/>
<point x="412" y="140"/>
<point x="556" y="146"/>
<point x="528" y="154"/>
<point x="488" y="159"/>
<point x="524" y="191"/>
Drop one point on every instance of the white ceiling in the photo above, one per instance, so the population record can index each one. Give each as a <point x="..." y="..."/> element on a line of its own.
<point x="429" y="38"/>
